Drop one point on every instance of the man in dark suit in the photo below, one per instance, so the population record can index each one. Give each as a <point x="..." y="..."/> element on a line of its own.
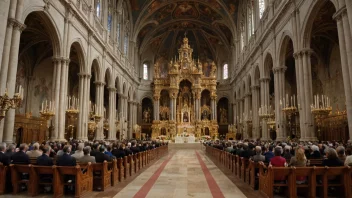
<point x="4" y="159"/>
<point x="21" y="157"/>
<point x="10" y="150"/>
<point x="44" y="159"/>
<point x="135" y="149"/>
<point x="100" y="156"/>
<point x="94" y="149"/>
<point x="66" y="159"/>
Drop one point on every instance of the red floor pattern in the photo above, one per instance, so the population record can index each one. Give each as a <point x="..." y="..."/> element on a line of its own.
<point x="213" y="186"/>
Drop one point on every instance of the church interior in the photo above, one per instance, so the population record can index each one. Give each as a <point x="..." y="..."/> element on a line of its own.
<point x="177" y="72"/>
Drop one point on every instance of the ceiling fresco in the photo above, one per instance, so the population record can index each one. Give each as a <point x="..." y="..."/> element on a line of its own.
<point x="162" y="23"/>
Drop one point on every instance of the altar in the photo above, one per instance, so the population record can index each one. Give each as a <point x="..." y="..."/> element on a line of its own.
<point x="185" y="96"/>
<point x="180" y="139"/>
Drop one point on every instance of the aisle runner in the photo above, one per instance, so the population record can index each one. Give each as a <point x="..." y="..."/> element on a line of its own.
<point x="213" y="186"/>
<point x="149" y="184"/>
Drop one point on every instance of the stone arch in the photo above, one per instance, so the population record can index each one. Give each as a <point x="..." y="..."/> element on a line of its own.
<point x="282" y="52"/>
<point x="268" y="65"/>
<point x="77" y="45"/>
<point x="96" y="69"/>
<point x="108" y="76"/>
<point x="307" y="24"/>
<point x="49" y="22"/>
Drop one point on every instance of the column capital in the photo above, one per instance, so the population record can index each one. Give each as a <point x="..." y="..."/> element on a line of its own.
<point x="305" y="51"/>
<point x="156" y="98"/>
<point x="246" y="95"/>
<point x="112" y="89"/>
<point x="265" y="79"/>
<point x="281" y="69"/>
<point x="99" y="83"/>
<point x="16" y="24"/>
<point x="255" y="87"/>
<point x="84" y="75"/>
<point x="340" y="13"/>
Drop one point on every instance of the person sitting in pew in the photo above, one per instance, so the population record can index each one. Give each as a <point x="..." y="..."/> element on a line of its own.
<point x="21" y="157"/>
<point x="86" y="158"/>
<point x="44" y="159"/>
<point x="10" y="150"/>
<point x="332" y="158"/>
<point x="269" y="153"/>
<point x="120" y="151"/>
<point x="100" y="156"/>
<point x="35" y="152"/>
<point x="258" y="157"/>
<point x="4" y="159"/>
<point x="341" y="153"/>
<point x="348" y="161"/>
<point x="299" y="160"/>
<point x="66" y="159"/>
<point x="134" y="147"/>
<point x="78" y="153"/>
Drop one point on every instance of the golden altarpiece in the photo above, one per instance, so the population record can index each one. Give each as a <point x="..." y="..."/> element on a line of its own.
<point x="184" y="99"/>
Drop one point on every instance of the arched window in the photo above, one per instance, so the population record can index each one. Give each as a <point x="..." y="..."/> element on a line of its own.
<point x="145" y="72"/>
<point x="261" y="7"/>
<point x="110" y="17"/>
<point x="118" y="36"/>
<point x="242" y="40"/>
<point x="98" y="8"/>
<point x="250" y="19"/>
<point x="225" y="71"/>
<point x="125" y="50"/>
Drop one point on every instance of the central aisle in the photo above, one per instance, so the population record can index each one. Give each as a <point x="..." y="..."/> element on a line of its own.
<point x="185" y="172"/>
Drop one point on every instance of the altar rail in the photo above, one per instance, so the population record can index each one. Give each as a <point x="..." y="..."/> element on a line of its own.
<point x="84" y="176"/>
<point x="318" y="180"/>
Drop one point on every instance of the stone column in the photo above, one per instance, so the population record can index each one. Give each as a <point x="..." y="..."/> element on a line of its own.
<point x="86" y="107"/>
<point x="63" y="97"/>
<point x="99" y="95"/>
<point x="279" y="75"/>
<point x="310" y="133"/>
<point x="11" y="74"/>
<point x="234" y="113"/>
<point x="111" y="109"/>
<point x="255" y="107"/>
<point x="265" y="102"/>
<point x="300" y="93"/>
<point x="130" y="126"/>
<point x="345" y="67"/>
<point x="81" y="96"/>
<point x="4" y="14"/>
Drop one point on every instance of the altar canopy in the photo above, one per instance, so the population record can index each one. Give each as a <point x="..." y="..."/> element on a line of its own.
<point x="185" y="97"/>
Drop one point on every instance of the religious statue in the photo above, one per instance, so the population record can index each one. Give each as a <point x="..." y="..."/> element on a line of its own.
<point x="223" y="115"/>
<point x="146" y="115"/>
<point x="185" y="117"/>
<point x="213" y="69"/>
<point x="204" y="115"/>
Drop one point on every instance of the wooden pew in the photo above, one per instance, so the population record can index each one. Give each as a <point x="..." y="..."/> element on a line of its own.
<point x="126" y="167"/>
<point x="3" y="174"/>
<point x="131" y="162"/>
<point x="253" y="169"/>
<point x="315" y="162"/>
<point x="136" y="162"/>
<point x="121" y="168"/>
<point x="39" y="183"/>
<point x="83" y="178"/>
<point x="309" y="185"/>
<point x="238" y="166"/>
<point x="16" y="177"/>
<point x="115" y="172"/>
<point x="244" y="167"/>
<point x="266" y="180"/>
<point x="101" y="176"/>
<point x="336" y="174"/>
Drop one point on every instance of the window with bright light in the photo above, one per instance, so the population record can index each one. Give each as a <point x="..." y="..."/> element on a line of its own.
<point x="126" y="45"/>
<point x="250" y="20"/>
<point x="118" y="32"/>
<point x="226" y="71"/>
<point x="110" y="17"/>
<point x="242" y="40"/>
<point x="98" y="8"/>
<point x="261" y="8"/>
<point x="145" y="71"/>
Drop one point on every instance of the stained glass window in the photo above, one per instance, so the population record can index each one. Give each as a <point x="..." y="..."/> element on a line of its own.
<point x="110" y="17"/>
<point x="118" y="32"/>
<point x="98" y="8"/>
<point x="145" y="71"/>
<point x="261" y="7"/>
<point x="225" y="72"/>
<point x="126" y="45"/>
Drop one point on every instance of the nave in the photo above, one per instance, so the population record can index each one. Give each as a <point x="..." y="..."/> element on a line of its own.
<point x="185" y="172"/>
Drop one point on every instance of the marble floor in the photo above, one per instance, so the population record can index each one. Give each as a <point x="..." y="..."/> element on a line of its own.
<point x="185" y="172"/>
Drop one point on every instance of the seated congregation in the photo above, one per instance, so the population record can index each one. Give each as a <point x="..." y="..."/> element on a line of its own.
<point x="288" y="169"/>
<point x="74" y="167"/>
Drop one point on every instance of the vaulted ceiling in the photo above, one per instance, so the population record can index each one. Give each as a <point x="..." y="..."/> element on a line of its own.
<point x="160" y="25"/>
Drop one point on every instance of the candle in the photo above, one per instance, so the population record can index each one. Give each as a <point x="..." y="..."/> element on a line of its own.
<point x="294" y="100"/>
<point x="50" y="105"/>
<point x="42" y="106"/>
<point x="291" y="101"/>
